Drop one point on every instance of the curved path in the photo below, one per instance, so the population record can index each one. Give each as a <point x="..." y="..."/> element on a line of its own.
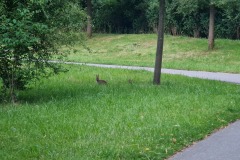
<point x="225" y="77"/>
<point x="222" y="145"/>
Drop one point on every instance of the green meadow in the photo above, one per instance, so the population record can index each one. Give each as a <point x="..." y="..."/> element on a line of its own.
<point x="140" y="49"/>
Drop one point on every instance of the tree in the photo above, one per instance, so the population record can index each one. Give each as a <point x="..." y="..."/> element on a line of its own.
<point x="183" y="17"/>
<point x="89" y="23"/>
<point x="232" y="15"/>
<point x="229" y="27"/>
<point x="194" y="14"/>
<point x="173" y="17"/>
<point x="159" y="52"/>
<point x="152" y="17"/>
<point x="212" y="12"/>
<point x="211" y="28"/>
<point x="120" y="16"/>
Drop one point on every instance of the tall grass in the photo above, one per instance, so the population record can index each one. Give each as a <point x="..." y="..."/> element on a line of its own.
<point x="179" y="52"/>
<point x="71" y="117"/>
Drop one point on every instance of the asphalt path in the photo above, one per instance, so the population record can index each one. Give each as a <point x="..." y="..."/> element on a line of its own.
<point x="218" y="76"/>
<point x="222" y="145"/>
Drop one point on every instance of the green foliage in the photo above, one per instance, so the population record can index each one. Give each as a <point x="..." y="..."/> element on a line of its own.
<point x="190" y="17"/>
<point x="65" y="15"/>
<point x="229" y="21"/>
<point x="24" y="51"/>
<point x="30" y="34"/>
<point x="183" y="17"/>
<point x="152" y="17"/>
<point x="120" y="16"/>
<point x="173" y="17"/>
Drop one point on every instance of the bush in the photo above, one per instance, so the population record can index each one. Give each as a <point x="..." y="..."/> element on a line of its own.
<point x="24" y="52"/>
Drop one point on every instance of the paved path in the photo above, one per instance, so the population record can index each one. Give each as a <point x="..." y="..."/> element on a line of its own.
<point x="222" y="145"/>
<point x="225" y="77"/>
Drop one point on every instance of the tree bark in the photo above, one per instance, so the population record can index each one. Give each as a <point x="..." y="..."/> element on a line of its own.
<point x="174" y="31"/>
<point x="89" y="19"/>
<point x="159" y="52"/>
<point x="211" y="28"/>
<point x="238" y="32"/>
<point x="196" y="33"/>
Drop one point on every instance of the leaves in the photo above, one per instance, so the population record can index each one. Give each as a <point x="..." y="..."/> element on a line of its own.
<point x="30" y="34"/>
<point x="24" y="46"/>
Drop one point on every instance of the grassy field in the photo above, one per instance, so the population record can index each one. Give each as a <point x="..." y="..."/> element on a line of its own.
<point x="71" y="117"/>
<point x="179" y="52"/>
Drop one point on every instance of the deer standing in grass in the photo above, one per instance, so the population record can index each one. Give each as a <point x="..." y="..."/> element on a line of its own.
<point x="100" y="81"/>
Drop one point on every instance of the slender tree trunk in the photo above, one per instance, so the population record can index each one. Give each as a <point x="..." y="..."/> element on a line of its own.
<point x="196" y="33"/>
<point x="159" y="52"/>
<point x="174" y="31"/>
<point x="89" y="20"/>
<point x="211" y="28"/>
<point x="238" y="32"/>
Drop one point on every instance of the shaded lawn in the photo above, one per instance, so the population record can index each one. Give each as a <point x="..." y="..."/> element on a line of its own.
<point x="71" y="117"/>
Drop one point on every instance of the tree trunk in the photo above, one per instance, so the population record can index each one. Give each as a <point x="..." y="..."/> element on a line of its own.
<point x="159" y="52"/>
<point x="196" y="33"/>
<point x="174" y="31"/>
<point x="155" y="29"/>
<point x="211" y="28"/>
<point x="238" y="32"/>
<point x="89" y="19"/>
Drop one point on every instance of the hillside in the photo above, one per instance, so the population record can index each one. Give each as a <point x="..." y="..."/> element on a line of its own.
<point x="179" y="52"/>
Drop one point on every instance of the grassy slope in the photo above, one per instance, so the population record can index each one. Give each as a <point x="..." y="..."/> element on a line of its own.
<point x="179" y="52"/>
<point x="70" y="117"/>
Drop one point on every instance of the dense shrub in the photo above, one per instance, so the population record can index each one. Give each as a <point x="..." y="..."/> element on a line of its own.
<point x="30" y="34"/>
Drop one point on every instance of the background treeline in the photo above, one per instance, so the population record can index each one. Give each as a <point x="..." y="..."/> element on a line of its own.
<point x="183" y="17"/>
